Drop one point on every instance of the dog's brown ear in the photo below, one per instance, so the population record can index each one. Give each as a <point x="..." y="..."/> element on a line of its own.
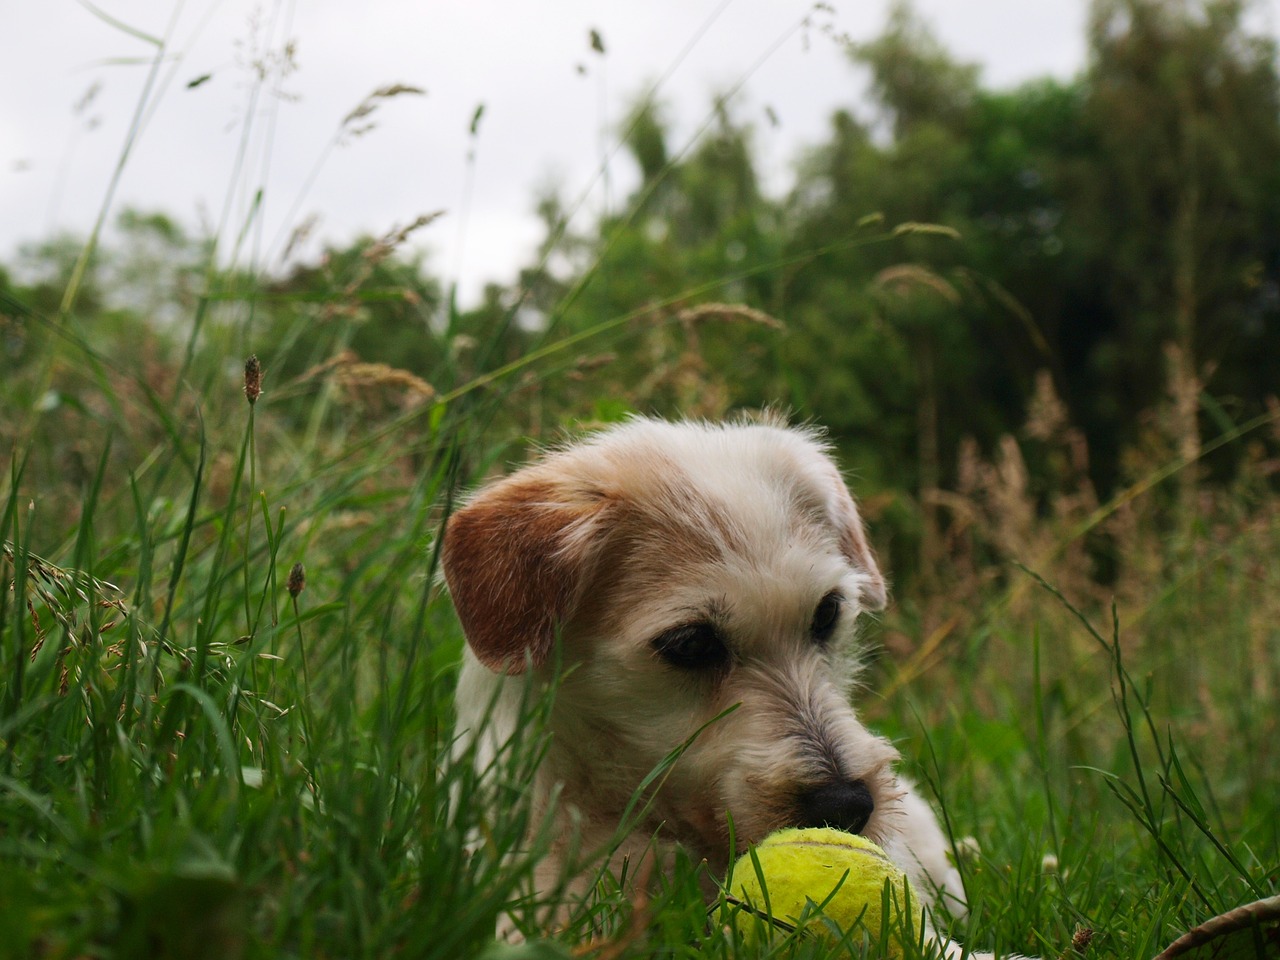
<point x="517" y="559"/>
<point x="853" y="539"/>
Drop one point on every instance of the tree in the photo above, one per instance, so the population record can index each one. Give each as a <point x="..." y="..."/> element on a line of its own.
<point x="914" y="79"/>
<point x="1186" y="106"/>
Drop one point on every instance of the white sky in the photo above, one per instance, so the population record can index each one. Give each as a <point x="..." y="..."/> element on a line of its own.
<point x="543" y="119"/>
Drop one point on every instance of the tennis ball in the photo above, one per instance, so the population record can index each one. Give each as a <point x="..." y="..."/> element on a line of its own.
<point x="845" y="875"/>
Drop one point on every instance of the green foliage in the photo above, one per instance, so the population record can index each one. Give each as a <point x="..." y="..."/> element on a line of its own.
<point x="199" y="762"/>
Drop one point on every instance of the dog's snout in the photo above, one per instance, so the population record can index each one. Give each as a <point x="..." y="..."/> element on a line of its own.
<point x="844" y="804"/>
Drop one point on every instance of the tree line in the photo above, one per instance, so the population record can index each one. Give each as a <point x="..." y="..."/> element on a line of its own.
<point x="1109" y="244"/>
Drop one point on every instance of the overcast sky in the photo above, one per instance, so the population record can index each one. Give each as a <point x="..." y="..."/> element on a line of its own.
<point x="550" y="102"/>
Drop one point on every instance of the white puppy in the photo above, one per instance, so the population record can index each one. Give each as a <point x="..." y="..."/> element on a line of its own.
<point x="690" y="572"/>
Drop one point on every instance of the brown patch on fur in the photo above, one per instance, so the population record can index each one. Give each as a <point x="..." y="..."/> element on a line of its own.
<point x="516" y="559"/>
<point x="853" y="539"/>
<point x="853" y="544"/>
<point x="660" y="524"/>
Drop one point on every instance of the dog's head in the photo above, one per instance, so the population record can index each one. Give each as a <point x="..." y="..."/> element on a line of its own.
<point x="703" y="582"/>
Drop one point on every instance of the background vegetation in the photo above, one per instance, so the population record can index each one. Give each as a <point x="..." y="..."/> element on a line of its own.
<point x="1041" y="326"/>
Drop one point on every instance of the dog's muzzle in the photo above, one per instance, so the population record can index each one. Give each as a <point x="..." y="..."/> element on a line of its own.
<point x="844" y="804"/>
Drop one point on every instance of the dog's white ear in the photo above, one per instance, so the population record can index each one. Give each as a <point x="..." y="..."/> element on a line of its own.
<point x="853" y="539"/>
<point x="517" y="559"/>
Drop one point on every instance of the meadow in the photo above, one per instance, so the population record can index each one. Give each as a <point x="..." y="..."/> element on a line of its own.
<point x="227" y="660"/>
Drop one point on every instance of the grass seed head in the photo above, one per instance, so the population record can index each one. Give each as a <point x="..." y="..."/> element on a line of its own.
<point x="297" y="580"/>
<point x="252" y="379"/>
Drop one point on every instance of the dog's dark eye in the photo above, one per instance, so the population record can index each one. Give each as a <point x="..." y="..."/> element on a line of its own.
<point x="825" y="617"/>
<point x="692" y="646"/>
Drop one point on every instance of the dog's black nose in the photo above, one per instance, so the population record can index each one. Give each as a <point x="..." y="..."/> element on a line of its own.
<point x="843" y="804"/>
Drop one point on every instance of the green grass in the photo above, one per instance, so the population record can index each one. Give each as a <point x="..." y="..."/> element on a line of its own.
<point x="196" y="761"/>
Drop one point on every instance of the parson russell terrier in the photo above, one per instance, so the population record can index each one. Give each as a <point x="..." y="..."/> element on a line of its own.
<point x="703" y="582"/>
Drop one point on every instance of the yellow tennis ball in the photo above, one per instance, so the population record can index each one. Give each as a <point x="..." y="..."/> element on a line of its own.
<point x="847" y="876"/>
